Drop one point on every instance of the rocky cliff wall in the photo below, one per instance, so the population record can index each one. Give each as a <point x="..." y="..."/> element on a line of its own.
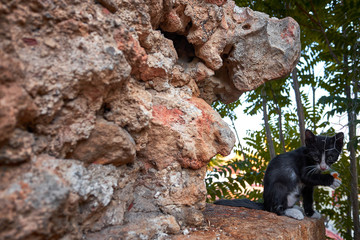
<point x="105" y="119"/>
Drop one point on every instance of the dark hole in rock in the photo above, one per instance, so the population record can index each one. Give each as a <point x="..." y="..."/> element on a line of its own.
<point x="108" y="4"/>
<point x="187" y="29"/>
<point x="246" y="26"/>
<point x="229" y="94"/>
<point x="185" y="50"/>
<point x="223" y="72"/>
<point x="105" y="108"/>
<point x="129" y="165"/>
<point x="227" y="51"/>
<point x="31" y="128"/>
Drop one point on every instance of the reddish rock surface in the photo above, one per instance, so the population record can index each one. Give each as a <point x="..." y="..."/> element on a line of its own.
<point x="228" y="223"/>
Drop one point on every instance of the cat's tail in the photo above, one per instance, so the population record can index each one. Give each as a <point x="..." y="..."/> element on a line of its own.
<point x="246" y="203"/>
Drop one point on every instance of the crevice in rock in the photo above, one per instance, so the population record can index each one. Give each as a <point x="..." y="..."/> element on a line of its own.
<point x="104" y="109"/>
<point x="108" y="4"/>
<point x="188" y="27"/>
<point x="184" y="49"/>
<point x="226" y="52"/>
<point x="222" y="87"/>
<point x="223" y="71"/>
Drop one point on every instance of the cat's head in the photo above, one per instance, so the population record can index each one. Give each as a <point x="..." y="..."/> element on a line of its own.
<point x="323" y="150"/>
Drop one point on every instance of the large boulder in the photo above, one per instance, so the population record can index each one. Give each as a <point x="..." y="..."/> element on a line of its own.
<point x="105" y="118"/>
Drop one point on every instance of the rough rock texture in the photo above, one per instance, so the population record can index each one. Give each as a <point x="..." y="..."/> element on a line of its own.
<point x="105" y="122"/>
<point x="230" y="223"/>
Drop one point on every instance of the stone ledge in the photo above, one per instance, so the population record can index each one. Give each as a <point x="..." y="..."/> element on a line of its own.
<point x="227" y="223"/>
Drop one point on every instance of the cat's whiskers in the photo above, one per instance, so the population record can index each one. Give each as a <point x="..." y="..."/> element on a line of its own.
<point x="310" y="170"/>
<point x="310" y="167"/>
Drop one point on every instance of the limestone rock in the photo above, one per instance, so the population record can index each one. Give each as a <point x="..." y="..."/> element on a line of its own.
<point x="49" y="197"/>
<point x="129" y="107"/>
<point x="107" y="143"/>
<point x="196" y="132"/>
<point x="18" y="148"/>
<point x="272" y="44"/>
<point x="105" y="118"/>
<point x="16" y="108"/>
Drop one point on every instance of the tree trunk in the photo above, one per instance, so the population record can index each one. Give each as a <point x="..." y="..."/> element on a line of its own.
<point x="353" y="165"/>
<point x="300" y="109"/>
<point x="351" y="147"/>
<point x="281" y="135"/>
<point x="279" y="112"/>
<point x="349" y="227"/>
<point x="267" y="126"/>
<point x="238" y="138"/>
<point x="314" y="109"/>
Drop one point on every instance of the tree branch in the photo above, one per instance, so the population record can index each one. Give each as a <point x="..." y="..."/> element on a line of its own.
<point x="317" y="22"/>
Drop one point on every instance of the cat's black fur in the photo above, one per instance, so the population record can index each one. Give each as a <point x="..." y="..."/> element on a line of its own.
<point x="296" y="173"/>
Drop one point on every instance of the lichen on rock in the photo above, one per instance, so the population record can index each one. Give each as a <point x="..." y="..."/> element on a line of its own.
<point x="105" y="118"/>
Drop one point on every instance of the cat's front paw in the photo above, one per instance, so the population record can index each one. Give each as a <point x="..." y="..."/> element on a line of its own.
<point x="336" y="183"/>
<point x="294" y="213"/>
<point x="316" y="215"/>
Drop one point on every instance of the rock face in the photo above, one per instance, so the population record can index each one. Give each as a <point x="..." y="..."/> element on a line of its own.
<point x="230" y="223"/>
<point x="105" y="122"/>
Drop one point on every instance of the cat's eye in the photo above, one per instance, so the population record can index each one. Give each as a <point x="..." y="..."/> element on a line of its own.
<point x="330" y="159"/>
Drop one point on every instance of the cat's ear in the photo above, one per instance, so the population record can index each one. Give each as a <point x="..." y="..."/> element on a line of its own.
<point x="339" y="140"/>
<point x="309" y="137"/>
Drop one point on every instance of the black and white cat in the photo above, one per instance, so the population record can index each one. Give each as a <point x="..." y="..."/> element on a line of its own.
<point x="296" y="173"/>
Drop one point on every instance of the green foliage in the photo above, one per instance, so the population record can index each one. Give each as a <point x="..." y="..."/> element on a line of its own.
<point x="339" y="104"/>
<point x="226" y="110"/>
<point x="231" y="181"/>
